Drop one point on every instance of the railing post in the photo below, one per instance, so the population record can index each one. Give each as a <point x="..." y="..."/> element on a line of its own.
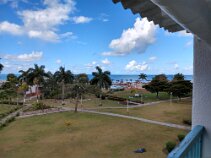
<point x="191" y="146"/>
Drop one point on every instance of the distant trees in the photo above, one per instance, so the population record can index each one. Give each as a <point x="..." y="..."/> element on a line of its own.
<point x="178" y="77"/>
<point x="158" y="84"/>
<point x="178" y="86"/>
<point x="1" y="66"/>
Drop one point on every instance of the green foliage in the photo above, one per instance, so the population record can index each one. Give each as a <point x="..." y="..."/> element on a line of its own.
<point x="179" y="77"/>
<point x="101" y="79"/>
<point x="143" y="76"/>
<point x="158" y="84"/>
<point x="180" y="88"/>
<point x="40" y="106"/>
<point x="1" y="67"/>
<point x="64" y="76"/>
<point x="36" y="75"/>
<point x="181" y="137"/>
<point x="82" y="78"/>
<point x="170" y="145"/>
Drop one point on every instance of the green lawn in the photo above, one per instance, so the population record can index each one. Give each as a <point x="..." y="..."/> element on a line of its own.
<point x="89" y="136"/>
<point x="90" y="103"/>
<point x="174" y="112"/>
<point x="4" y="108"/>
<point x="147" y="96"/>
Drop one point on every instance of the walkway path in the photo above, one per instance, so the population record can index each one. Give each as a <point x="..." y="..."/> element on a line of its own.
<point x="134" y="106"/>
<point x="13" y="114"/>
<point x="113" y="115"/>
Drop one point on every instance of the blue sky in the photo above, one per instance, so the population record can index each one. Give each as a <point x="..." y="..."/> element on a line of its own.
<point x="80" y="35"/>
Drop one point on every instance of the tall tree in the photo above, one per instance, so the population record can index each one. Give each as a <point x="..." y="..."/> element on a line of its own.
<point x="158" y="84"/>
<point x="36" y="76"/>
<point x="143" y="76"/>
<point x="1" y="67"/>
<point x="63" y="77"/>
<point x="10" y="86"/>
<point x="101" y="79"/>
<point x="82" y="78"/>
<point x="179" y="77"/>
<point x="23" y="77"/>
<point x="179" y="87"/>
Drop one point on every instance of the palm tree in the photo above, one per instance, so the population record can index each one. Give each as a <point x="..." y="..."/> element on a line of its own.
<point x="77" y="91"/>
<point x="23" y="76"/>
<point x="1" y="67"/>
<point x="63" y="77"/>
<point x="101" y="79"/>
<point x="36" y="76"/>
<point x="143" y="76"/>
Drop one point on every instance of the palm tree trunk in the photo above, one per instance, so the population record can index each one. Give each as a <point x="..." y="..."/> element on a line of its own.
<point x="62" y="92"/>
<point x="76" y="104"/>
<point x="37" y="93"/>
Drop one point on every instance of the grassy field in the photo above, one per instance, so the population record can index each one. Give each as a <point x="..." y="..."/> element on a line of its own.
<point x="87" y="103"/>
<point x="89" y="136"/>
<point x="6" y="108"/>
<point x="174" y="112"/>
<point x="147" y="96"/>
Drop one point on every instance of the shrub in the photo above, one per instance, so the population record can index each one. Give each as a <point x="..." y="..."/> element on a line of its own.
<point x="187" y="122"/>
<point x="170" y="145"/>
<point x="181" y="137"/>
<point x="40" y="106"/>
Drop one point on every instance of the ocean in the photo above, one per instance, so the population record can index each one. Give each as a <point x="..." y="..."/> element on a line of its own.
<point x="124" y="78"/>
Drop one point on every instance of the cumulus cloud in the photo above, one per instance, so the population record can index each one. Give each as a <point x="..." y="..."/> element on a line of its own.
<point x="58" y="61"/>
<point x="179" y="34"/>
<point x="135" y="66"/>
<point x="26" y="57"/>
<point x="136" y="39"/>
<point x="7" y="27"/>
<point x="42" y="23"/>
<point x="81" y="19"/>
<point x="106" y="61"/>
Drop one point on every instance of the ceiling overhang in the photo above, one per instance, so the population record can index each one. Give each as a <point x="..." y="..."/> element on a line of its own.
<point x="175" y="15"/>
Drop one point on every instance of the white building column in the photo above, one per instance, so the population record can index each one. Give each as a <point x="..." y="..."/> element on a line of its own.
<point x="201" y="112"/>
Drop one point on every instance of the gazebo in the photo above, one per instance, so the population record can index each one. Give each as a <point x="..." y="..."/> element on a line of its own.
<point x="194" y="16"/>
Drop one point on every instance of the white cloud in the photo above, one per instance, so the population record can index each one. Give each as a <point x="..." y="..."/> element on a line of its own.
<point x="136" y="39"/>
<point x="13" y="3"/>
<point x="25" y="57"/>
<point x="176" y="66"/>
<point x="91" y="65"/>
<point x="134" y="66"/>
<point x="189" y="43"/>
<point x="153" y="58"/>
<point x="58" y="61"/>
<point x="106" y="61"/>
<point x="81" y="19"/>
<point x="42" y="23"/>
<point x="7" y="27"/>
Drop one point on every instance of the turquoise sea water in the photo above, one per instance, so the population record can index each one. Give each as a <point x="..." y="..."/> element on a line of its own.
<point x="124" y="78"/>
